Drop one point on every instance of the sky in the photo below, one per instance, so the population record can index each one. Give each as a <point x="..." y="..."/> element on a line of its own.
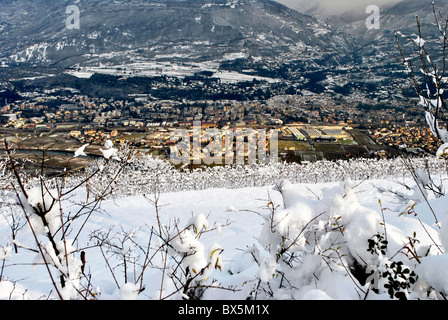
<point x="329" y="7"/>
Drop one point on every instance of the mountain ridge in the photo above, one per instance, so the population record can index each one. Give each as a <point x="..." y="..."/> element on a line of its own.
<point x="205" y="29"/>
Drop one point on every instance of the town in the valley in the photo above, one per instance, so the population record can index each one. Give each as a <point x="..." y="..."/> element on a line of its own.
<point x="309" y="126"/>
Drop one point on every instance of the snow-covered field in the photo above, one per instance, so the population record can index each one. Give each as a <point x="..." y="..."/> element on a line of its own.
<point x="289" y="241"/>
<point x="160" y="67"/>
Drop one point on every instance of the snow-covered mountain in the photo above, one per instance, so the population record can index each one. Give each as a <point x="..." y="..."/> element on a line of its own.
<point x="377" y="46"/>
<point x="307" y="47"/>
<point x="125" y="31"/>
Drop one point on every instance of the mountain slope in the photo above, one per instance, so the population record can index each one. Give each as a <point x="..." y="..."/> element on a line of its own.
<point x="34" y="32"/>
<point x="229" y="39"/>
<point x="379" y="45"/>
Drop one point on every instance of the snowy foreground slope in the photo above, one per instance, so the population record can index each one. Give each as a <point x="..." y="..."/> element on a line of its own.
<point x="289" y="241"/>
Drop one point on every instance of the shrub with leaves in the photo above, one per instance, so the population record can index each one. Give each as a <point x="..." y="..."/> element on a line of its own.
<point x="377" y="244"/>
<point x="400" y="278"/>
<point x="396" y="277"/>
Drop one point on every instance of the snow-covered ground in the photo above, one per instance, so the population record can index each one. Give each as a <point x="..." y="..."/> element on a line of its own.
<point x="160" y="67"/>
<point x="290" y="241"/>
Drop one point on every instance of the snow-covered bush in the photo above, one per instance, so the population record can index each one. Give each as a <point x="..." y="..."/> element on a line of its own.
<point x="42" y="202"/>
<point x="333" y="247"/>
<point x="145" y="175"/>
<point x="192" y="272"/>
<point x="426" y="69"/>
<point x="171" y="255"/>
<point x="307" y="241"/>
